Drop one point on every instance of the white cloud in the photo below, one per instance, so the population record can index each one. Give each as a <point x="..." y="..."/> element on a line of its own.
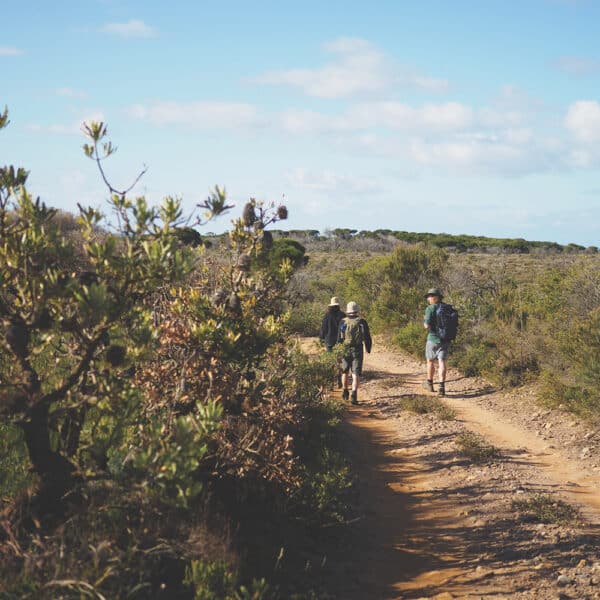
<point x="203" y="115"/>
<point x="583" y="120"/>
<point x="358" y="68"/>
<point x="72" y="128"/>
<point x="518" y="136"/>
<point x="308" y="121"/>
<point x="581" y="158"/>
<point x="133" y="28"/>
<point x="10" y="51"/>
<point x="331" y="183"/>
<point x="68" y="92"/>
<point x="494" y="117"/>
<point x="448" y="116"/>
<point x="577" y="65"/>
<point x="508" y="154"/>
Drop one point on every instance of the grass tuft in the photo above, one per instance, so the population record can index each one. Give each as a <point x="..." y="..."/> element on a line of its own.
<point x="543" y="508"/>
<point x="423" y="405"/>
<point x="476" y="448"/>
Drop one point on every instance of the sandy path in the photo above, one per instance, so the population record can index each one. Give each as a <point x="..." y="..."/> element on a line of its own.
<point x="435" y="525"/>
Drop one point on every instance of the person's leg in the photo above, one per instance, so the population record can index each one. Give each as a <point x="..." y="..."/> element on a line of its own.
<point x="354" y="395"/>
<point x="430" y="370"/>
<point x="357" y="361"/>
<point x="442" y="368"/>
<point x="345" y="369"/>
<point x="430" y="374"/>
<point x="430" y="356"/>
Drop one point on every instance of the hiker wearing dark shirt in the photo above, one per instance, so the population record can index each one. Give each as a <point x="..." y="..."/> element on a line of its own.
<point x="330" y="325"/>
<point x="354" y="334"/>
<point x="435" y="348"/>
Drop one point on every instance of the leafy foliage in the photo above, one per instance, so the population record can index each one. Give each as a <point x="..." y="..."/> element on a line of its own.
<point x="149" y="385"/>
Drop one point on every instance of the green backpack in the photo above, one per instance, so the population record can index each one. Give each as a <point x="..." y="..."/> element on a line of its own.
<point x="352" y="332"/>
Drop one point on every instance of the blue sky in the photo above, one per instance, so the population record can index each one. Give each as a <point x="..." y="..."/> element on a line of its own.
<point x="461" y="117"/>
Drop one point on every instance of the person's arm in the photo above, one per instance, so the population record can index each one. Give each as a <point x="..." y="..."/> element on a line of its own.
<point x="367" y="336"/>
<point x="341" y="331"/>
<point x="427" y="319"/>
<point x="323" y="330"/>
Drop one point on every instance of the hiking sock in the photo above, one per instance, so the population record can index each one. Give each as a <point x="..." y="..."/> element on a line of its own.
<point x="345" y="394"/>
<point x="442" y="389"/>
<point x="429" y="385"/>
<point x="354" y="400"/>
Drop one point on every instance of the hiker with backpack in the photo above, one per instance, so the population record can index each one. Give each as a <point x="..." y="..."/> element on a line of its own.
<point x="441" y="322"/>
<point x="330" y="331"/>
<point x="354" y="334"/>
<point x="330" y="326"/>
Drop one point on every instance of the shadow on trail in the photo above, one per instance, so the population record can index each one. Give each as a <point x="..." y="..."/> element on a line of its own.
<point x="372" y="560"/>
<point x="476" y="393"/>
<point x="413" y="542"/>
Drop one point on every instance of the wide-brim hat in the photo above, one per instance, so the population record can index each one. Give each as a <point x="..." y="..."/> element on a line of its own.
<point x="351" y="308"/>
<point x="434" y="292"/>
<point x="335" y="301"/>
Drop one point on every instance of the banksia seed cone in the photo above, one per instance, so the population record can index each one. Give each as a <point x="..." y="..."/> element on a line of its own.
<point x="248" y="215"/>
<point x="219" y="297"/>
<point x="282" y="212"/>
<point x="234" y="303"/>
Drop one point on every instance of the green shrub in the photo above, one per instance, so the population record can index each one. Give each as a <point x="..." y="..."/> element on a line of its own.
<point x="411" y="338"/>
<point x="215" y="581"/>
<point x="15" y="472"/>
<point x="327" y="485"/>
<point x="305" y="319"/>
<point x="389" y="289"/>
<point x="582" y="401"/>
<point x="474" y="356"/>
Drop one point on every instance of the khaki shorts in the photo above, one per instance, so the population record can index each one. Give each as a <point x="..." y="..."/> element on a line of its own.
<point x="435" y="351"/>
<point x="353" y="361"/>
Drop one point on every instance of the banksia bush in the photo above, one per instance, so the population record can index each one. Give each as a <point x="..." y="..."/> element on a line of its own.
<point x="244" y="262"/>
<point x="266" y="240"/>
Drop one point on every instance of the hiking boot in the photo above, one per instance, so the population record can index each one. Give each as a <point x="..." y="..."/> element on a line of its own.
<point x="345" y="395"/>
<point x="441" y="390"/>
<point x="428" y="385"/>
<point x="354" y="400"/>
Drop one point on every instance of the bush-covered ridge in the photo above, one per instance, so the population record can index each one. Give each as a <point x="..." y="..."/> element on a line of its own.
<point x="450" y="242"/>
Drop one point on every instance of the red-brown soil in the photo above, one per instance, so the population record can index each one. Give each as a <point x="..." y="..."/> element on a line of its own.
<point x="434" y="524"/>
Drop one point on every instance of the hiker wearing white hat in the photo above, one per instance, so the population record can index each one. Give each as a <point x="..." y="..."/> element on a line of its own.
<point x="354" y="333"/>
<point x="330" y="325"/>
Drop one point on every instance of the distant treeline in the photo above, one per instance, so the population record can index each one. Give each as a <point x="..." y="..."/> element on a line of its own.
<point x="452" y="243"/>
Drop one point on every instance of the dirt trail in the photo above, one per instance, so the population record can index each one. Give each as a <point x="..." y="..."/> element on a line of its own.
<point x="433" y="524"/>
